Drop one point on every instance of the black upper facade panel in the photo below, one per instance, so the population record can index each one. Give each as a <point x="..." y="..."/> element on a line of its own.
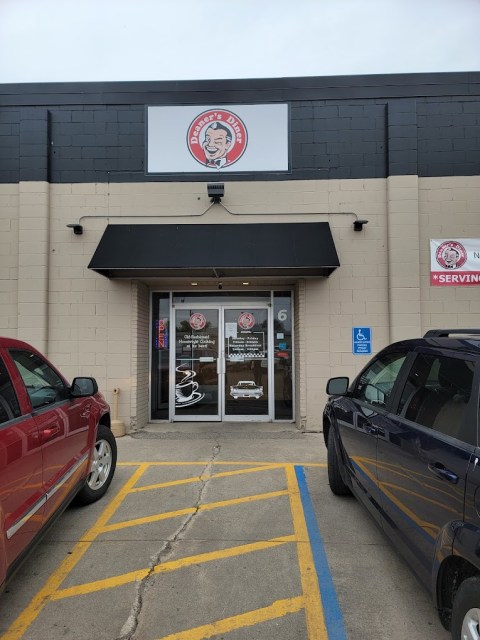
<point x="339" y="127"/>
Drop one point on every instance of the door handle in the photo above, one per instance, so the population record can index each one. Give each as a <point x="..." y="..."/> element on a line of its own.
<point x="48" y="434"/>
<point x="439" y="470"/>
<point x="370" y="428"/>
<point x="375" y="431"/>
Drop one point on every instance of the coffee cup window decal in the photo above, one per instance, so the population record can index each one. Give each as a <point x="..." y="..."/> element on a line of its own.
<point x="186" y="391"/>
<point x="217" y="138"/>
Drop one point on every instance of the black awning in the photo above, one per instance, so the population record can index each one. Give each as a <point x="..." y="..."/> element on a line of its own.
<point x="215" y="250"/>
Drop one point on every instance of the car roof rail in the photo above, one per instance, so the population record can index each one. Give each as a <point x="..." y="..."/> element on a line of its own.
<point x="445" y="333"/>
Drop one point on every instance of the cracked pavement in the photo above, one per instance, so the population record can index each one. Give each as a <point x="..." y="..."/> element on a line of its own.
<point x="186" y="552"/>
<point x="165" y="553"/>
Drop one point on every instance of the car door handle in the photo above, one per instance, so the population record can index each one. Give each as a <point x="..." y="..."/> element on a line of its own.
<point x="438" y="469"/>
<point x="47" y="434"/>
<point x="373" y="430"/>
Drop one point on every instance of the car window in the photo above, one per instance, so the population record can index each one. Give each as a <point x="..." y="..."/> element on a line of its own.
<point x="9" y="407"/>
<point x="437" y="392"/>
<point x="376" y="382"/>
<point x="43" y="385"/>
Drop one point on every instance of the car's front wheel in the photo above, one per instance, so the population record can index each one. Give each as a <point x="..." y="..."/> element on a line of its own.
<point x="335" y="480"/>
<point x="102" y="468"/>
<point x="466" y="611"/>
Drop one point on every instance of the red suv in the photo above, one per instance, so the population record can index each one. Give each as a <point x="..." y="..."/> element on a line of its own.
<point x="55" y="445"/>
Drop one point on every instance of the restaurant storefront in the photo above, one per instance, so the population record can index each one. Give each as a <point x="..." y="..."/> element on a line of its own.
<point x="214" y="251"/>
<point x="220" y="354"/>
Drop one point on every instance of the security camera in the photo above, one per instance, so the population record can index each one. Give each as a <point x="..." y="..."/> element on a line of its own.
<point x="220" y="286"/>
<point x="216" y="191"/>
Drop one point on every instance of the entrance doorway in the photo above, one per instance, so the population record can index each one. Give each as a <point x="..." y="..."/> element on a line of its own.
<point x="225" y="355"/>
<point x="222" y="365"/>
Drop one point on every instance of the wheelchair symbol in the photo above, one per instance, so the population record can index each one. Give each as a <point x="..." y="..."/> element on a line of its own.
<point x="360" y="337"/>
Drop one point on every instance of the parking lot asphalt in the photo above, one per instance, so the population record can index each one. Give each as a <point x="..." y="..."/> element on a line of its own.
<point x="217" y="531"/>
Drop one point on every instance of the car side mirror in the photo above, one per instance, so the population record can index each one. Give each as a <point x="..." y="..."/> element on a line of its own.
<point x="83" y="387"/>
<point x="338" y="386"/>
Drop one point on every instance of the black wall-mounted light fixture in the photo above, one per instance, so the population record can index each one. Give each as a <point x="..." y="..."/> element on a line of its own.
<point x="77" y="228"/>
<point x="216" y="191"/>
<point x="358" y="224"/>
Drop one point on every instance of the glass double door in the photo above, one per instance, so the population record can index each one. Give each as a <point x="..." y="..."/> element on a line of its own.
<point x="221" y="363"/>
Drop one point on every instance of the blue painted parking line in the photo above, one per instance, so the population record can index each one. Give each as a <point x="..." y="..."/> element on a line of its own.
<point x="332" y="612"/>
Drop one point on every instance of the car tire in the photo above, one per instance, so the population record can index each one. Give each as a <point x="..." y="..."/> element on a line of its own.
<point x="466" y="611"/>
<point x="102" y="467"/>
<point x="335" y="480"/>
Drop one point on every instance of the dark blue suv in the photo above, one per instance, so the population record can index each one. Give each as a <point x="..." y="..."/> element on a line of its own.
<point x="404" y="439"/>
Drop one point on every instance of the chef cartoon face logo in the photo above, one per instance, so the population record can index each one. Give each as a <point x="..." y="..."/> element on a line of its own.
<point x="217" y="138"/>
<point x="246" y="320"/>
<point x="197" y="321"/>
<point x="451" y="255"/>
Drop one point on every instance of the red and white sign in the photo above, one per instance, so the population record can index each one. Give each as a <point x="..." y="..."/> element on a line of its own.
<point x="197" y="321"/>
<point x="215" y="139"/>
<point x="246" y="320"/>
<point x="455" y="262"/>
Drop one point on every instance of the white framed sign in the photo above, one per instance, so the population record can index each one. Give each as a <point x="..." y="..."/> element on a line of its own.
<point x="217" y="139"/>
<point x="455" y="263"/>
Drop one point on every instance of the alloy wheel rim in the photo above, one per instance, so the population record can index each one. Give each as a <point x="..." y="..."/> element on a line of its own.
<point x="101" y="465"/>
<point x="471" y="625"/>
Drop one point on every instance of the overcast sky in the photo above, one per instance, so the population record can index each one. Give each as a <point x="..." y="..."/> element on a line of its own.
<point x="101" y="40"/>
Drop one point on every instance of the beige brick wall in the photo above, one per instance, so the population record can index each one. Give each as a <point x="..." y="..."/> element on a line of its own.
<point x="300" y="338"/>
<point x="33" y="262"/>
<point x="94" y="326"/>
<point x="449" y="208"/>
<point x="90" y="316"/>
<point x="140" y="333"/>
<point x="403" y="257"/>
<point x="9" y="260"/>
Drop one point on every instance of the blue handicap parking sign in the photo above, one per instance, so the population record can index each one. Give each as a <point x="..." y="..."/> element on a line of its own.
<point x="361" y="340"/>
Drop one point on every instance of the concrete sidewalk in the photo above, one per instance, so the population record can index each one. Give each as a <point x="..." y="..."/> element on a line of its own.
<point x="255" y="429"/>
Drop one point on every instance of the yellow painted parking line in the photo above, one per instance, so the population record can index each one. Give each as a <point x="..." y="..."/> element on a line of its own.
<point x="203" y="463"/>
<point x="183" y="512"/>
<point x="310" y="600"/>
<point x="276" y="610"/>
<point x="173" y="565"/>
<point x="33" y="610"/>
<point x="213" y="476"/>
<point x="316" y="627"/>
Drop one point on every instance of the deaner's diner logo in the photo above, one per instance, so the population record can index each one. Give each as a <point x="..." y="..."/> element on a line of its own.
<point x="198" y="321"/>
<point x="451" y="255"/>
<point x="246" y="320"/>
<point x="217" y="138"/>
